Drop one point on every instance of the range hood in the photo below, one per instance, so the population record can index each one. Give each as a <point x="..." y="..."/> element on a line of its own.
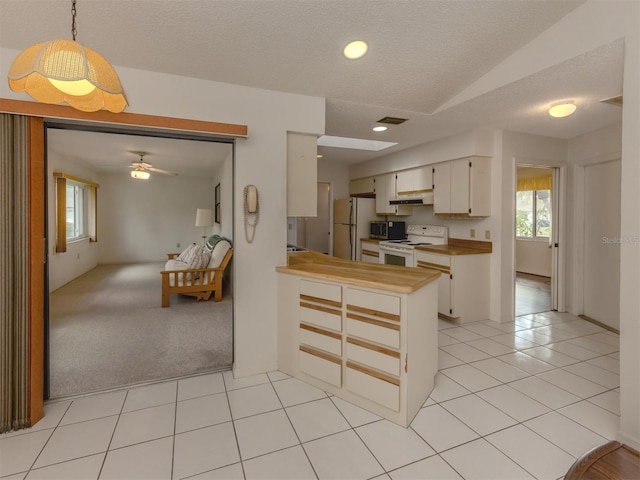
<point x="424" y="197"/>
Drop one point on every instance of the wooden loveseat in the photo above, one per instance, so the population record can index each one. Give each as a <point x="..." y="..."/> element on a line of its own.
<point x="178" y="277"/>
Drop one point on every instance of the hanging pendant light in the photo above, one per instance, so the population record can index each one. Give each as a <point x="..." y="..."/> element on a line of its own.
<point x="63" y="71"/>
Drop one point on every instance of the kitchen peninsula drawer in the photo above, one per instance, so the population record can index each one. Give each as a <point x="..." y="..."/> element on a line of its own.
<point x="324" y="291"/>
<point x="322" y="339"/>
<point x="320" y="365"/>
<point x="373" y="303"/>
<point x="374" y="386"/>
<point x="380" y="358"/>
<point x="384" y="333"/>
<point x="321" y="305"/>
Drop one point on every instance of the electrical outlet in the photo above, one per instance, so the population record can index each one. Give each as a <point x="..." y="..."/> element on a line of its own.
<point x="473" y="233"/>
<point x="177" y="245"/>
<point x="487" y="234"/>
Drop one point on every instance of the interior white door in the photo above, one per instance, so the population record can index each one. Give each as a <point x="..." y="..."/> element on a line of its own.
<point x="318" y="228"/>
<point x="602" y="243"/>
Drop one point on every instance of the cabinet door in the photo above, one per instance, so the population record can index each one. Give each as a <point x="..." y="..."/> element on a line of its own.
<point x="404" y="182"/>
<point x="423" y="178"/>
<point x="442" y="188"/>
<point x="384" y="185"/>
<point x="302" y="168"/>
<point x="369" y="252"/>
<point x="362" y="186"/>
<point x="480" y="187"/>
<point x="443" y="264"/>
<point x="459" y="186"/>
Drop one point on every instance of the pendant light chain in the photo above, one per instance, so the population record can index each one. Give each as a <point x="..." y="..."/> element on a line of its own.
<point x="74" y="30"/>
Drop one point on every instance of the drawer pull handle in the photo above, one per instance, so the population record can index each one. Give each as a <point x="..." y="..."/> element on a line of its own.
<point x="373" y="373"/>
<point x="324" y="301"/>
<point x="374" y="313"/>
<point x="371" y="321"/>
<point x="321" y="331"/>
<point x="375" y="348"/>
<point x="317" y="353"/>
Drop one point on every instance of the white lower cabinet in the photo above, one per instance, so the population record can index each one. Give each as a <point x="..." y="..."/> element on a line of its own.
<point x="463" y="288"/>
<point x="369" y="251"/>
<point x="354" y="342"/>
<point x="368" y="384"/>
<point x="323" y="367"/>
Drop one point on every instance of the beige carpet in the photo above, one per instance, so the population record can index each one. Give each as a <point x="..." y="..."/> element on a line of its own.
<point x="107" y="329"/>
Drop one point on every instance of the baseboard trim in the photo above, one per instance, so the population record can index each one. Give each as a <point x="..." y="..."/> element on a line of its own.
<point x="600" y="324"/>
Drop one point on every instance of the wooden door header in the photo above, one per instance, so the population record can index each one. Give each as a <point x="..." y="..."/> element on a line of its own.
<point x="44" y="110"/>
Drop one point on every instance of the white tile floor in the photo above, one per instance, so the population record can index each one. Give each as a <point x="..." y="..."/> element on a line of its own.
<point x="519" y="400"/>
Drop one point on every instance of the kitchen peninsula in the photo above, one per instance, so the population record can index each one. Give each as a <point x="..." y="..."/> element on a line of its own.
<point x="364" y="332"/>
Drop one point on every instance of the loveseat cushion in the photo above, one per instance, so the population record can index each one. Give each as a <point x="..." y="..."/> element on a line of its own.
<point x="176" y="264"/>
<point x="218" y="253"/>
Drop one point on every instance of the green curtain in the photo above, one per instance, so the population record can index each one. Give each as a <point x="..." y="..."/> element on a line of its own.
<point x="14" y="273"/>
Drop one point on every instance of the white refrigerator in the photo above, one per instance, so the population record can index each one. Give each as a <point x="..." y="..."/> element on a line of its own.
<point x="351" y="217"/>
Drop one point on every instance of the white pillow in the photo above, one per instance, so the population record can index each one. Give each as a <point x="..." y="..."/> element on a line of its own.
<point x="187" y="253"/>
<point x="200" y="258"/>
<point x="218" y="253"/>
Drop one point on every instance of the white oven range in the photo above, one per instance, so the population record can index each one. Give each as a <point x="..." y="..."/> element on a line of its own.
<point x="401" y="252"/>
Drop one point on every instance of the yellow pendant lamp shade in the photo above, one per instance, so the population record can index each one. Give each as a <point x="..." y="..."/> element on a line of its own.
<point x="63" y="71"/>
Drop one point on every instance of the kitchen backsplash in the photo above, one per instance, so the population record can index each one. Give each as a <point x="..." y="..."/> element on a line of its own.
<point x="458" y="227"/>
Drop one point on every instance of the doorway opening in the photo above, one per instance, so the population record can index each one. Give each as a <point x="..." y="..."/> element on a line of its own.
<point x="104" y="324"/>
<point x="535" y="236"/>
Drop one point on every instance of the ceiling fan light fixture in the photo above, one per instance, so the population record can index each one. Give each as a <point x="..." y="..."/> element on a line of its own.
<point x="63" y="71"/>
<point x="562" y="110"/>
<point x="140" y="174"/>
<point x="355" y="49"/>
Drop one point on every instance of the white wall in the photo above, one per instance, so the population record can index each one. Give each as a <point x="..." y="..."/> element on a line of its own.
<point x="534" y="257"/>
<point x="141" y="221"/>
<point x="82" y="255"/>
<point x="224" y="177"/>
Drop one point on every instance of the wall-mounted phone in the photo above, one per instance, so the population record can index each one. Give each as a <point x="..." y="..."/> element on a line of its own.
<point x="251" y="211"/>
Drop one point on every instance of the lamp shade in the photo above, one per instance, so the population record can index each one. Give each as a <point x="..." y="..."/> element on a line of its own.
<point x="63" y="71"/>
<point x="204" y="217"/>
<point x="140" y="174"/>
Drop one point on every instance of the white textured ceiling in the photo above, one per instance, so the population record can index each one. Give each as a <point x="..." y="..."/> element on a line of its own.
<point x="422" y="53"/>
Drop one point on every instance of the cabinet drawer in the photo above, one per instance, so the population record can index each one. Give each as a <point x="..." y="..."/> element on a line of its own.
<point x="378" y="388"/>
<point x="322" y="339"/>
<point x="442" y="261"/>
<point x="374" y="356"/>
<point x="321" y="304"/>
<point x="320" y="315"/>
<point x="322" y="291"/>
<point x="322" y="366"/>
<point x="384" y="333"/>
<point x="378" y="304"/>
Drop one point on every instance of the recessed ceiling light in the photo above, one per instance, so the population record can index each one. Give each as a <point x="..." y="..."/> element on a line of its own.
<point x="355" y="50"/>
<point x="379" y="128"/>
<point x="562" y="110"/>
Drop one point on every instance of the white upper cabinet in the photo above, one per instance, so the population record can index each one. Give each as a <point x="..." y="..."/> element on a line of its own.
<point x="385" y="189"/>
<point x="362" y="187"/>
<point x="463" y="187"/>
<point x="415" y="181"/>
<point x="302" y="174"/>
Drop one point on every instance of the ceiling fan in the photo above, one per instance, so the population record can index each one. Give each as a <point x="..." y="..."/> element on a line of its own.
<point x="141" y="168"/>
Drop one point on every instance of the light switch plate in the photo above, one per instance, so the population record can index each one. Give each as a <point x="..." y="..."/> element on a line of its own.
<point x="487" y="234"/>
<point x="473" y="233"/>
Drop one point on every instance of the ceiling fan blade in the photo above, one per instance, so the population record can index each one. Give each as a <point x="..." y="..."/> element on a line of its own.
<point x="157" y="170"/>
<point x="140" y="163"/>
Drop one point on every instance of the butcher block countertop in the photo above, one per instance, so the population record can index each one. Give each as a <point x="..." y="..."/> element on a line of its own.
<point x="373" y="275"/>
<point x="458" y="246"/>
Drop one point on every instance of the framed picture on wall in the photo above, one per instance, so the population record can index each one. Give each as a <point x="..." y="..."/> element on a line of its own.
<point x="217" y="204"/>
